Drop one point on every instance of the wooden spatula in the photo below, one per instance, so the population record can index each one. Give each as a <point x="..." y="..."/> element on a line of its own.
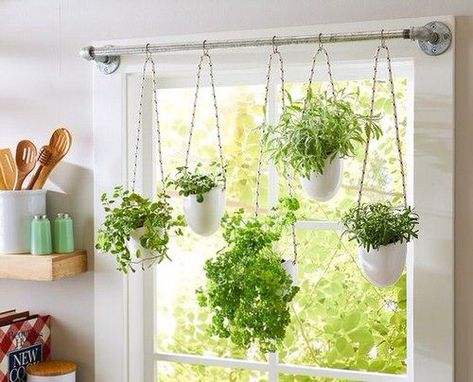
<point x="25" y="161"/>
<point x="45" y="157"/>
<point x="60" y="143"/>
<point x="8" y="171"/>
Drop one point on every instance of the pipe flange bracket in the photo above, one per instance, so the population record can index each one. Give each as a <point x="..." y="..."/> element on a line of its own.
<point x="442" y="43"/>
<point x="108" y="66"/>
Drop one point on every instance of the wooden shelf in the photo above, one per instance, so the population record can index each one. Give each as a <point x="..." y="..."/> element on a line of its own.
<point x="42" y="268"/>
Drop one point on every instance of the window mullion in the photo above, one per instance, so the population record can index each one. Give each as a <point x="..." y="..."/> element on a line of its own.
<point x="273" y="360"/>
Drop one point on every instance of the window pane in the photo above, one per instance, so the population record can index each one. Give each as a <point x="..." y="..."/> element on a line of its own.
<point x="383" y="177"/>
<point x="181" y="372"/>
<point x="339" y="319"/>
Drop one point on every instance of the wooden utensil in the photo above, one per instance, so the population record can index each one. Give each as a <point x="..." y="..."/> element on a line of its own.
<point x="25" y="161"/>
<point x="8" y="171"/>
<point x="45" y="157"/>
<point x="60" y="143"/>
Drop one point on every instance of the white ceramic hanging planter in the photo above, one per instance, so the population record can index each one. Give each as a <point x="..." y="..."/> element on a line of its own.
<point x="383" y="266"/>
<point x="291" y="269"/>
<point x="323" y="187"/>
<point x="134" y="244"/>
<point x="204" y="217"/>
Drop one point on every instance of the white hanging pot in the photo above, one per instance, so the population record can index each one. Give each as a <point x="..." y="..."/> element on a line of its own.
<point x="204" y="217"/>
<point x="134" y="244"/>
<point x="383" y="266"/>
<point x="323" y="187"/>
<point x="291" y="269"/>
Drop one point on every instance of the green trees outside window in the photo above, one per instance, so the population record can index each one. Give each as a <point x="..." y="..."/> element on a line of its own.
<point x="338" y="319"/>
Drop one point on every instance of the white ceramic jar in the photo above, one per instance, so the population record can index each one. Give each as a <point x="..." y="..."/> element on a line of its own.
<point x="383" y="266"/>
<point x="17" y="209"/>
<point x="291" y="269"/>
<point x="134" y="244"/>
<point x="51" y="371"/>
<point x="324" y="187"/>
<point x="204" y="217"/>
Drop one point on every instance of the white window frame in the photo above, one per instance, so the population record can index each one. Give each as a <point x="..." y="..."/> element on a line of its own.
<point x="124" y="306"/>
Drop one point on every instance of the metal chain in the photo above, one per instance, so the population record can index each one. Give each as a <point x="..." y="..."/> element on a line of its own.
<point x="293" y="227"/>
<point x="260" y="154"/>
<point x="265" y="111"/>
<point x="320" y="50"/>
<point x="148" y="60"/>
<point x="384" y="47"/>
<point x="205" y="54"/>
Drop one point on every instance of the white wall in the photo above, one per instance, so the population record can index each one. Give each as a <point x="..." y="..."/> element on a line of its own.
<point x="43" y="83"/>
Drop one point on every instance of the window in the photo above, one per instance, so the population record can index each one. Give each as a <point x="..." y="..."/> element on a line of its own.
<point x="342" y="328"/>
<point x="339" y="320"/>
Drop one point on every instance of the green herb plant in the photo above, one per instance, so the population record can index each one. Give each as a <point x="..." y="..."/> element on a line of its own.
<point x="127" y="211"/>
<point x="305" y="138"/>
<point x="379" y="224"/>
<point x="198" y="182"/>
<point x="247" y="290"/>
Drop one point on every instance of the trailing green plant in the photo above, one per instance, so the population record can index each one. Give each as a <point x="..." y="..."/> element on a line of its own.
<point x="247" y="290"/>
<point x="125" y="212"/>
<point x="306" y="137"/>
<point x="198" y="182"/>
<point x="379" y="224"/>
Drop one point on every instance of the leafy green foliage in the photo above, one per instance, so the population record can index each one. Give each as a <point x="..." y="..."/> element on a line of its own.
<point x="379" y="224"/>
<point x="134" y="211"/>
<point x="339" y="319"/>
<point x="247" y="289"/>
<point x="197" y="183"/>
<point x="305" y="138"/>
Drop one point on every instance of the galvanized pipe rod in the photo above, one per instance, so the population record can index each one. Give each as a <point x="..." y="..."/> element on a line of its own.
<point x="430" y="35"/>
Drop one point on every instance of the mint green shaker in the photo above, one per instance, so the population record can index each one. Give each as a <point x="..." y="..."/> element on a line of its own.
<point x="63" y="234"/>
<point x="41" y="236"/>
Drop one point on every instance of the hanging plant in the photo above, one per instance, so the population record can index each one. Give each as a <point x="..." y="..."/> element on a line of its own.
<point x="314" y="135"/>
<point x="136" y="229"/>
<point x="381" y="229"/>
<point x="247" y="290"/>
<point x="314" y="139"/>
<point x="204" y="197"/>
<point x="382" y="232"/>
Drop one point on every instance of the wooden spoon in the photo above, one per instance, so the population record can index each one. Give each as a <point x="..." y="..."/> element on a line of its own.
<point x="45" y="157"/>
<point x="25" y="161"/>
<point x="8" y="170"/>
<point x="60" y="143"/>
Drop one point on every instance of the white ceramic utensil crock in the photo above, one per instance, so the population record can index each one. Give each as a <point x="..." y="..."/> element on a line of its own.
<point x="383" y="266"/>
<point x="17" y="209"/>
<point x="204" y="218"/>
<point x="324" y="187"/>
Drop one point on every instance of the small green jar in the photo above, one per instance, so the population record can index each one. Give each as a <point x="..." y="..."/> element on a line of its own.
<point x="41" y="236"/>
<point x="63" y="234"/>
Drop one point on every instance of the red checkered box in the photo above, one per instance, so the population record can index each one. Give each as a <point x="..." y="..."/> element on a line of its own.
<point x="22" y="343"/>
